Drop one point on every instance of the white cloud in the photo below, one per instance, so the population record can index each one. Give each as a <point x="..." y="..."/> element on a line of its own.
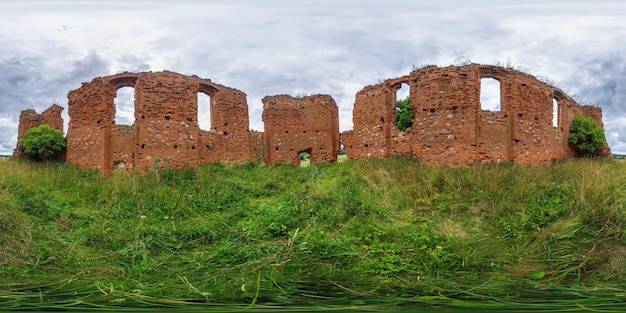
<point x="303" y="47"/>
<point x="8" y="135"/>
<point x="615" y="131"/>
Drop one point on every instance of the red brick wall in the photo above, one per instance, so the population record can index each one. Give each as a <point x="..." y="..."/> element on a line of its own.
<point x="451" y="128"/>
<point x="295" y="125"/>
<point x="165" y="132"/>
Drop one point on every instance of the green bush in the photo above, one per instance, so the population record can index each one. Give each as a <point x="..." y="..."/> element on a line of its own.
<point x="42" y="142"/>
<point x="586" y="135"/>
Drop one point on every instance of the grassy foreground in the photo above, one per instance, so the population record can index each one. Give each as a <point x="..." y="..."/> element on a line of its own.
<point x="380" y="233"/>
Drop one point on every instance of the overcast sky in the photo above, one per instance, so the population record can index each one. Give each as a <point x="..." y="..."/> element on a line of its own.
<point x="335" y="47"/>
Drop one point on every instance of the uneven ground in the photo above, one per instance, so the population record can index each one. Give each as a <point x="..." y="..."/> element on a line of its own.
<point x="372" y="233"/>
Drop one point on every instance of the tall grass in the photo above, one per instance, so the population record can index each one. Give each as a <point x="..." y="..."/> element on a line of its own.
<point x="384" y="232"/>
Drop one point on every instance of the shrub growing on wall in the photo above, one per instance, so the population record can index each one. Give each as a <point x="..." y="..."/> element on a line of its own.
<point x="586" y="135"/>
<point x="42" y="141"/>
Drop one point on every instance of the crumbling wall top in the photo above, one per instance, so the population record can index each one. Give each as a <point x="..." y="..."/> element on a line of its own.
<point x="450" y="126"/>
<point x="128" y="79"/>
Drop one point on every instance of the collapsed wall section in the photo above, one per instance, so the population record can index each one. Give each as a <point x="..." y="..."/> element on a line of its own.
<point x="296" y="125"/>
<point x="531" y="125"/>
<point x="446" y="106"/>
<point x="92" y="117"/>
<point x="30" y="119"/>
<point x="374" y="116"/>
<point x="165" y="131"/>
<point x="229" y="139"/>
<point x="166" y="116"/>
<point x="450" y="127"/>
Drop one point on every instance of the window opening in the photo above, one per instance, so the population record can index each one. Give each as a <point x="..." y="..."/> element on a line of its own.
<point x="555" y="113"/>
<point x="125" y="106"/>
<point x="404" y="111"/>
<point x="204" y="111"/>
<point x="490" y="99"/>
<point x="305" y="157"/>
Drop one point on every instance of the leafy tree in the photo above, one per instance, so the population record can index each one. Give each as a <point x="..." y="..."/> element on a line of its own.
<point x="42" y="142"/>
<point x="404" y="114"/>
<point x="586" y="135"/>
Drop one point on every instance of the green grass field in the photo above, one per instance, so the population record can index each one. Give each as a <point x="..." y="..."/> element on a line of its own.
<point x="370" y="234"/>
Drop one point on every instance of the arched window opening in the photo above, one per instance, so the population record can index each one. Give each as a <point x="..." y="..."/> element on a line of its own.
<point x="404" y="111"/>
<point x="555" y="113"/>
<point x="305" y="157"/>
<point x="125" y="106"/>
<point x="490" y="99"/>
<point x="204" y="111"/>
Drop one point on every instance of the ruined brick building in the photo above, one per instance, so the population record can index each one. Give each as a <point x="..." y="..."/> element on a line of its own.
<point x="450" y="127"/>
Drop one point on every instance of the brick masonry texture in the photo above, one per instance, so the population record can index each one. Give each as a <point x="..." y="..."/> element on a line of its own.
<point x="449" y="128"/>
<point x="165" y="132"/>
<point x="292" y="126"/>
